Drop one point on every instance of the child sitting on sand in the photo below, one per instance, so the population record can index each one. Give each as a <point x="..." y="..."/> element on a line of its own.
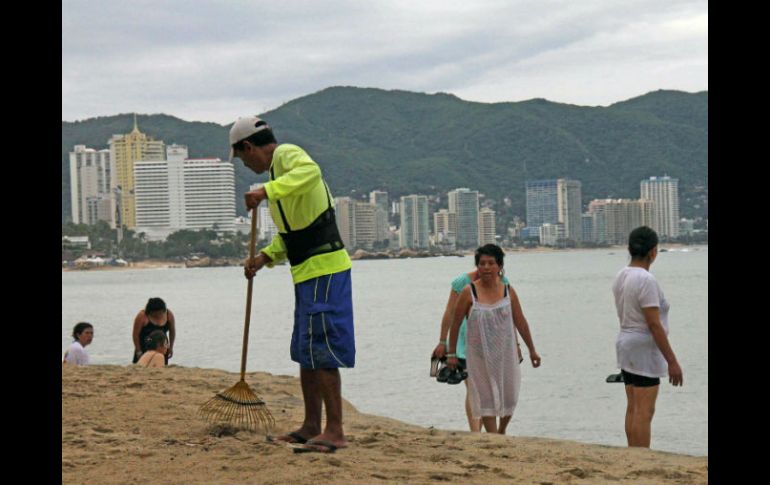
<point x="157" y="345"/>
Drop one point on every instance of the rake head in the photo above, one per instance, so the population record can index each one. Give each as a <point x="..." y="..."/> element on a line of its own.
<point x="239" y="406"/>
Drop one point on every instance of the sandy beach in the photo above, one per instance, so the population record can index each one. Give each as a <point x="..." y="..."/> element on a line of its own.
<point x="122" y="425"/>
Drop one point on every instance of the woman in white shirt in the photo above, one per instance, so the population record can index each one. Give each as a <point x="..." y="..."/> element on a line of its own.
<point x="643" y="351"/>
<point x="83" y="333"/>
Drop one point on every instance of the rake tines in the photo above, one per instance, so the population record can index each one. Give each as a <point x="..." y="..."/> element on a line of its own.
<point x="239" y="406"/>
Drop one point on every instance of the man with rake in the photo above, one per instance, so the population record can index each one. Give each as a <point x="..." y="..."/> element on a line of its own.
<point x="323" y="340"/>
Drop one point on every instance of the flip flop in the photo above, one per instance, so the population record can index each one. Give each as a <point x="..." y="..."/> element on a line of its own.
<point x="434" y="367"/>
<point x="329" y="447"/>
<point x="296" y="438"/>
<point x="615" y="378"/>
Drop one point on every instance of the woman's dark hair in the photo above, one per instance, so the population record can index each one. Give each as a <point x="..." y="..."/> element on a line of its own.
<point x="258" y="139"/>
<point x="155" y="339"/>
<point x="154" y="305"/>
<point x="80" y="328"/>
<point x="490" y="250"/>
<point x="641" y="241"/>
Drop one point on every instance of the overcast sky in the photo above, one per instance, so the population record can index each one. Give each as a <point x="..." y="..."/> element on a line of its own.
<point x="203" y="60"/>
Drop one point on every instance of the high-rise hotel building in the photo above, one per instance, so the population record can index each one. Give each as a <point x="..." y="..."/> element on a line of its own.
<point x="90" y="193"/>
<point x="380" y="200"/>
<point x="125" y="151"/>
<point x="487" y="226"/>
<point x="465" y="204"/>
<point x="183" y="193"/>
<point x="612" y="220"/>
<point x="556" y="201"/>
<point x="664" y="193"/>
<point x="414" y="222"/>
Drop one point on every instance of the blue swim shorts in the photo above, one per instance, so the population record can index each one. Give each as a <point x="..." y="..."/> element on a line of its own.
<point x="323" y="335"/>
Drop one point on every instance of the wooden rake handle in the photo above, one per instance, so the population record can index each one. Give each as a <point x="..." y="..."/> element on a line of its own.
<point x="252" y="249"/>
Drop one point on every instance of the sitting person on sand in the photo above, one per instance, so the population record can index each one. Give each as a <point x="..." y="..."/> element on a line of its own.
<point x="155" y="316"/>
<point x="157" y="347"/>
<point x="83" y="333"/>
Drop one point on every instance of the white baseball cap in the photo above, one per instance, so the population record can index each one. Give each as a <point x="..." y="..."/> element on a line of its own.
<point x="244" y="128"/>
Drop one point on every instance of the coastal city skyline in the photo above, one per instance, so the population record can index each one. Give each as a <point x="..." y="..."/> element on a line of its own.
<point x="506" y="188"/>
<point x="155" y="189"/>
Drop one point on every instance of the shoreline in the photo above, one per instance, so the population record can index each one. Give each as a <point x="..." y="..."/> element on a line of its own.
<point x="172" y="264"/>
<point x="127" y="421"/>
<point x="147" y="264"/>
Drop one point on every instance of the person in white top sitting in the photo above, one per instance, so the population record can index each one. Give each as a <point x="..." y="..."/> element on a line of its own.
<point x="83" y="333"/>
<point x="643" y="351"/>
<point x="157" y="346"/>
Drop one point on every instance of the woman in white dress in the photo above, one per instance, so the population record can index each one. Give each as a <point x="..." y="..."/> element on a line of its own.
<point x="643" y="351"/>
<point x="492" y="309"/>
<point x="458" y="284"/>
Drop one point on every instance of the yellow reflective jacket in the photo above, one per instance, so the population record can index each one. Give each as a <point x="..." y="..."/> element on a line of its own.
<point x="300" y="188"/>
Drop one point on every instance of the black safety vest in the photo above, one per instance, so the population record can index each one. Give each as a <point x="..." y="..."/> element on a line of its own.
<point x="321" y="236"/>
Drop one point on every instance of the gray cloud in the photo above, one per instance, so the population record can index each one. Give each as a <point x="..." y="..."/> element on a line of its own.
<point x="217" y="60"/>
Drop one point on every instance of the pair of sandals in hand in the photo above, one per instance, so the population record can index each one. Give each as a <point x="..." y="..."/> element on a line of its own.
<point x="442" y="373"/>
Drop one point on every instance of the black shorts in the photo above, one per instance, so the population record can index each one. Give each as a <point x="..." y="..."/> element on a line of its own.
<point x="636" y="380"/>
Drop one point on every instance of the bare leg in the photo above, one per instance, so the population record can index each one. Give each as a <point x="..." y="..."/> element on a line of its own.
<point x="311" y="426"/>
<point x="474" y="423"/>
<point x="329" y="387"/>
<point x="644" y="409"/>
<point x="504" y="420"/>
<point x="312" y="397"/>
<point x="630" y="414"/>
<point x="490" y="423"/>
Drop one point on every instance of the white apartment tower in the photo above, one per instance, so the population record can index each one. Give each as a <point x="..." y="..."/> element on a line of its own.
<point x="266" y="228"/>
<point x="664" y="193"/>
<point x="465" y="204"/>
<point x="380" y="199"/>
<point x="487" y="226"/>
<point x="445" y="227"/>
<point x="569" y="201"/>
<point x="183" y="193"/>
<point x="90" y="193"/>
<point x="551" y="234"/>
<point x="414" y="222"/>
<point x="357" y="222"/>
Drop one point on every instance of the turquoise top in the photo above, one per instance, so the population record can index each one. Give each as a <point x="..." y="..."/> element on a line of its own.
<point x="458" y="284"/>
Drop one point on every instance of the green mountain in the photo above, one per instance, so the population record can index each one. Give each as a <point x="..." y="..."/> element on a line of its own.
<point x="406" y="142"/>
